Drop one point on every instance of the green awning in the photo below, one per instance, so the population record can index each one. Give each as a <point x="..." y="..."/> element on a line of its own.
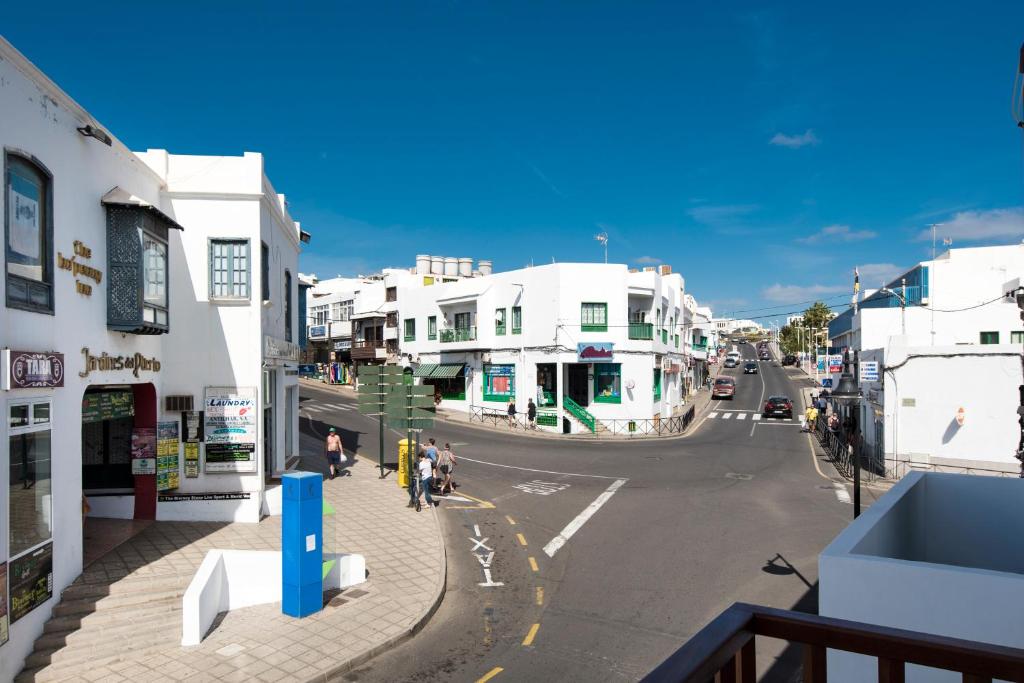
<point x="447" y="370"/>
<point x="424" y="370"/>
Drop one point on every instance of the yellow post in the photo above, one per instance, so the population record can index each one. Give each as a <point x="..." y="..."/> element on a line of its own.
<point x="403" y="463"/>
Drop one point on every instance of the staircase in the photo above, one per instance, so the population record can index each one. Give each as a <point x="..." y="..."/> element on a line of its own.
<point x="583" y="415"/>
<point x="99" y="624"/>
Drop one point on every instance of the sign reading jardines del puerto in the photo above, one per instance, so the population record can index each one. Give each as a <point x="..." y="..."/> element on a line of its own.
<point x="29" y="369"/>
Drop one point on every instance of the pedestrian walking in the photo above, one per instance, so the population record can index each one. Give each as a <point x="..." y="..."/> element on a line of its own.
<point x="446" y="468"/>
<point x="511" y="413"/>
<point x="531" y="414"/>
<point x="811" y="414"/>
<point x="426" y="476"/>
<point x="431" y="451"/>
<point x="822" y="404"/>
<point x="333" y="452"/>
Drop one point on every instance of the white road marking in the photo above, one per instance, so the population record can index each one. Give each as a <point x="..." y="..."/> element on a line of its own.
<point x="478" y="543"/>
<point x="485" y="561"/>
<point x="315" y="409"/>
<point x="530" y="469"/>
<point x="572" y="527"/>
<point x="726" y="416"/>
<point x="541" y="488"/>
<point x="842" y="494"/>
<point x="712" y="416"/>
<point x="755" y="416"/>
<point x="487" y="580"/>
<point x="760" y="401"/>
<point x="741" y="416"/>
<point x="476" y="530"/>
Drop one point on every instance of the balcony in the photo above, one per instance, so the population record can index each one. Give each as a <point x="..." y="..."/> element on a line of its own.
<point x="459" y="334"/>
<point x="641" y="331"/>
<point x="371" y="349"/>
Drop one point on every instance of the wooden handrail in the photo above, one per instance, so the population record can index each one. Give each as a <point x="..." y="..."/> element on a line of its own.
<point x="717" y="645"/>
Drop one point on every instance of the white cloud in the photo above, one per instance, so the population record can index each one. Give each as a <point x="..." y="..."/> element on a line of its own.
<point x="647" y="260"/>
<point x="721" y="214"/>
<point x="981" y="226"/>
<point x="788" y="294"/>
<point x="837" y="233"/>
<point x="875" y="274"/>
<point x="795" y="141"/>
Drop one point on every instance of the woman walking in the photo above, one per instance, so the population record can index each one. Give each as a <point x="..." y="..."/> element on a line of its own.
<point x="446" y="466"/>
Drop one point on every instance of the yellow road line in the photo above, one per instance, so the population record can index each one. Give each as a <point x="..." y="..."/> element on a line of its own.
<point x="482" y="504"/>
<point x="533" y="565"/>
<point x="540" y="595"/>
<point x="522" y="539"/>
<point x="490" y="674"/>
<point x="528" y="640"/>
<point x="510" y="520"/>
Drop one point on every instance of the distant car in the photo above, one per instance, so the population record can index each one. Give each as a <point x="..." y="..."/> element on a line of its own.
<point x="778" y="406"/>
<point x="750" y="369"/>
<point x="730" y="362"/>
<point x="308" y="370"/>
<point x="789" y="360"/>
<point x="724" y="387"/>
<point x="765" y="356"/>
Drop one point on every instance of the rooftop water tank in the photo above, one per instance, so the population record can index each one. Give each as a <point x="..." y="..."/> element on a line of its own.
<point x="451" y="266"/>
<point x="422" y="264"/>
<point x="485" y="267"/>
<point x="466" y="267"/>
<point x="437" y="265"/>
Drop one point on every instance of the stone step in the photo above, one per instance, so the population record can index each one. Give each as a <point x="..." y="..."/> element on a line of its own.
<point x="67" y="608"/>
<point x="130" y="626"/>
<point x="158" y="609"/>
<point x="80" y="591"/>
<point x="88" y="656"/>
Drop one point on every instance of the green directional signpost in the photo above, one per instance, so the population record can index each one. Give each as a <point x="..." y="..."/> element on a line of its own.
<point x="374" y="384"/>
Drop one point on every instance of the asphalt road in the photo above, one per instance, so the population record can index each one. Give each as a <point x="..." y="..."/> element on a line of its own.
<point x="734" y="511"/>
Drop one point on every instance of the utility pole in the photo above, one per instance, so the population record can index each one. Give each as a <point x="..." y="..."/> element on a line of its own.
<point x="931" y="283"/>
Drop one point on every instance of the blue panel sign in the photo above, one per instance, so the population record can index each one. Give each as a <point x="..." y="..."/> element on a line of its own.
<point x="869" y="371"/>
<point x="317" y="331"/>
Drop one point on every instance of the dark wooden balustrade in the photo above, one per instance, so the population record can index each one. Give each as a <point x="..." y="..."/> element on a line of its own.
<point x="724" y="650"/>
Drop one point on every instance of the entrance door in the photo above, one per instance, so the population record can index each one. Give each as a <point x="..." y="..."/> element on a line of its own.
<point x="108" y="416"/>
<point x="547" y="380"/>
<point x="269" y="390"/>
<point x="577" y="384"/>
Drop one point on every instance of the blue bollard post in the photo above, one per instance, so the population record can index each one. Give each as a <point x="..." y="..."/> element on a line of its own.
<point x="302" y="544"/>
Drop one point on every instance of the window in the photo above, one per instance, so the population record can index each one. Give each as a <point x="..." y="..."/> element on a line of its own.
<point x="462" y="321"/>
<point x="30" y="506"/>
<point x="432" y="327"/>
<point x="229" y="269"/>
<point x="677" y="340"/>
<point x="265" y="270"/>
<point x="595" y="317"/>
<point x="154" y="279"/>
<point x="517" y="319"/>
<point x="410" y="329"/>
<point x="287" y="306"/>
<point x="28" y="225"/>
<point x="392" y="319"/>
<point x="499" y="321"/>
<point x="391" y="294"/>
<point x="1017" y="337"/>
<point x="607" y="383"/>
<point x="499" y="382"/>
<point x="989" y="337"/>
<point x="342" y="311"/>
<point x="657" y="384"/>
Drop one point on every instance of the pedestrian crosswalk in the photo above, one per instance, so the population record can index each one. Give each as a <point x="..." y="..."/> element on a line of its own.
<point x="744" y="415"/>
<point x="325" y="407"/>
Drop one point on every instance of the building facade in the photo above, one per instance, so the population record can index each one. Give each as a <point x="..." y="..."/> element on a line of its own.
<point x="147" y="340"/>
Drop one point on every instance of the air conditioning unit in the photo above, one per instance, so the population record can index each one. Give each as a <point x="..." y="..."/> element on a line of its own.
<point x="178" y="404"/>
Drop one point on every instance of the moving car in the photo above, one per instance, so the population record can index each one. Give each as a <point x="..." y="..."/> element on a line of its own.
<point x="765" y="355"/>
<point x="750" y="369"/>
<point x="731" y="362"/>
<point x="789" y="360"/>
<point x="778" y="406"/>
<point x="724" y="387"/>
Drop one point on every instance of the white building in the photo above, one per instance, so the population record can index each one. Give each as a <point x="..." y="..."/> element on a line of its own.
<point x="737" y="326"/>
<point x="956" y="344"/>
<point x="147" y="338"/>
<point x="615" y="344"/>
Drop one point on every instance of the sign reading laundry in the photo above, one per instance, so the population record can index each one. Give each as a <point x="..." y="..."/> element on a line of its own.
<point x="107" y="363"/>
<point x="229" y="426"/>
<point x="588" y="352"/>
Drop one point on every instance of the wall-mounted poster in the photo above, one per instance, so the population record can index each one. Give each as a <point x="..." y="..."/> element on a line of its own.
<point x="167" y="472"/>
<point x="191" y="460"/>
<point x="143" y="450"/>
<point x="4" y="624"/>
<point x="229" y="426"/>
<point x="31" y="578"/>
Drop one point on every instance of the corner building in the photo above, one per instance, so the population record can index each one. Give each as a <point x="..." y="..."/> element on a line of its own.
<point x="147" y="341"/>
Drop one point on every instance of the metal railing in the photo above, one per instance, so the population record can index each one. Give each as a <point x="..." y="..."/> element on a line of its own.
<point x="458" y="334"/>
<point x="580" y="413"/>
<point x="676" y="424"/>
<point x="636" y="428"/>
<point x="725" y="649"/>
<point x="641" y="330"/>
<point x="840" y="452"/>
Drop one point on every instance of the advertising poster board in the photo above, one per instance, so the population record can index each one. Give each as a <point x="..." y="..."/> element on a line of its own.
<point x="5" y="627"/>
<point x="191" y="460"/>
<point x="835" y="364"/>
<point x="107" y="405"/>
<point x="143" y="450"/>
<point x="229" y="426"/>
<point x="31" y="581"/>
<point x="167" y="473"/>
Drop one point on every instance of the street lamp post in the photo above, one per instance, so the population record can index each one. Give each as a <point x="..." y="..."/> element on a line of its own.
<point x="848" y="394"/>
<point x="902" y="298"/>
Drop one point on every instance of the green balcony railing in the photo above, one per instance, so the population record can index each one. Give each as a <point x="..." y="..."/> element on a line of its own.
<point x="459" y="334"/>
<point x="641" y="331"/>
<point x="579" y="412"/>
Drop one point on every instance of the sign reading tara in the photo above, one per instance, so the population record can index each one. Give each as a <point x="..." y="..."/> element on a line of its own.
<point x="869" y="371"/>
<point x="279" y="349"/>
<point x="28" y="369"/>
<point x="589" y="352"/>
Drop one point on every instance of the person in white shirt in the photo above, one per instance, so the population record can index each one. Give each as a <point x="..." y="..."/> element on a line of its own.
<point x="425" y="467"/>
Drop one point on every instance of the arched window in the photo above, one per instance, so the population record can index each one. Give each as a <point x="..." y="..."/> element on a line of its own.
<point x="28" y="228"/>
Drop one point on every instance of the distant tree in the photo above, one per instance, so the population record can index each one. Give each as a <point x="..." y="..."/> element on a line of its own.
<point x="818" y="315"/>
<point x="789" y="339"/>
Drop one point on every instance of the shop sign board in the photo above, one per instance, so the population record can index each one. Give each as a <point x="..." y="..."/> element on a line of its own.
<point x="230" y="429"/>
<point x="191" y="460"/>
<point x="590" y="352"/>
<point x="31" y="369"/>
<point x="835" y="363"/>
<point x="5" y="627"/>
<point x="167" y="472"/>
<point x="31" y="581"/>
<point x="343" y="345"/>
<point x="143" y="451"/>
<point x="107" y="405"/>
<point x="280" y="349"/>
<point x="317" y="331"/>
<point x="869" y="371"/>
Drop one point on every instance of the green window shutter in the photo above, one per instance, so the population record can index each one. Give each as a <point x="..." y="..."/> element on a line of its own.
<point x="410" y="329"/>
<point x="517" y="319"/>
<point x="499" y="321"/>
<point x="432" y="327"/>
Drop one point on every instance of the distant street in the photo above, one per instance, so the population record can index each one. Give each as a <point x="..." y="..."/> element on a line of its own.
<point x="650" y="540"/>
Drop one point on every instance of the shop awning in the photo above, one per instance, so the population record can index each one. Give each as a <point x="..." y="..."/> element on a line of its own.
<point x="424" y="370"/>
<point x="447" y="370"/>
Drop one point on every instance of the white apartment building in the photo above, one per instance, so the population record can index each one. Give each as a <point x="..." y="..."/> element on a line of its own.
<point x="329" y="309"/>
<point x="147" y="340"/>
<point x="956" y="345"/>
<point x="585" y="341"/>
<point x="737" y="326"/>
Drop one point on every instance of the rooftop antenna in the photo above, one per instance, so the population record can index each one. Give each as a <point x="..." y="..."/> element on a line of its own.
<point x="602" y="237"/>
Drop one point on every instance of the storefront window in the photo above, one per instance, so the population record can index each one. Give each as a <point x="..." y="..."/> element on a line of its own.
<point x="28" y="246"/>
<point x="499" y="382"/>
<point x="30" y="499"/>
<point x="607" y="383"/>
<point x="657" y="384"/>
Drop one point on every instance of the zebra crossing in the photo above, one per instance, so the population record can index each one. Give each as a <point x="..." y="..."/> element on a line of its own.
<point x="325" y="407"/>
<point x="753" y="416"/>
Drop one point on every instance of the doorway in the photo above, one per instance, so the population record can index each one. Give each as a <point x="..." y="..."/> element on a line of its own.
<point x="547" y="383"/>
<point x="269" y="388"/>
<point x="578" y="384"/>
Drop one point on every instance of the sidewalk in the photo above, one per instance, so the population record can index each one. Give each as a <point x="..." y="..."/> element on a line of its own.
<point x="406" y="584"/>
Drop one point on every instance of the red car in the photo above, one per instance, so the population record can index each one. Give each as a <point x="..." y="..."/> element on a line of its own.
<point x="778" y="406"/>
<point x="724" y="387"/>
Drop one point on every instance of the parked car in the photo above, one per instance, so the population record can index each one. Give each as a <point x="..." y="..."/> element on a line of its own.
<point x="731" y="362"/>
<point x="778" y="406"/>
<point x="309" y="371"/>
<point x="789" y="360"/>
<point x="750" y="369"/>
<point x="724" y="387"/>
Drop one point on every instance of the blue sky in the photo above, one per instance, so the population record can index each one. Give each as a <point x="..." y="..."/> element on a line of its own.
<point x="761" y="151"/>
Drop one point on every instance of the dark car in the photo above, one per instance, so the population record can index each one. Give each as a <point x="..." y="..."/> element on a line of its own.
<point x="789" y="360"/>
<point x="724" y="387"/>
<point x="750" y="369"/>
<point x="765" y="356"/>
<point x="778" y="406"/>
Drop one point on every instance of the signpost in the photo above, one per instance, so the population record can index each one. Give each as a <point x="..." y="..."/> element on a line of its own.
<point x="869" y="371"/>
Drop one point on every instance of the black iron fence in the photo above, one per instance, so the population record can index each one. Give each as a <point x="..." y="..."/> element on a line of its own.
<point x="840" y="449"/>
<point x="624" y="428"/>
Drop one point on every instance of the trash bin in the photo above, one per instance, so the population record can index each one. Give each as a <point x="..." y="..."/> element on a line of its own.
<point x="566" y="426"/>
<point x="403" y="463"/>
